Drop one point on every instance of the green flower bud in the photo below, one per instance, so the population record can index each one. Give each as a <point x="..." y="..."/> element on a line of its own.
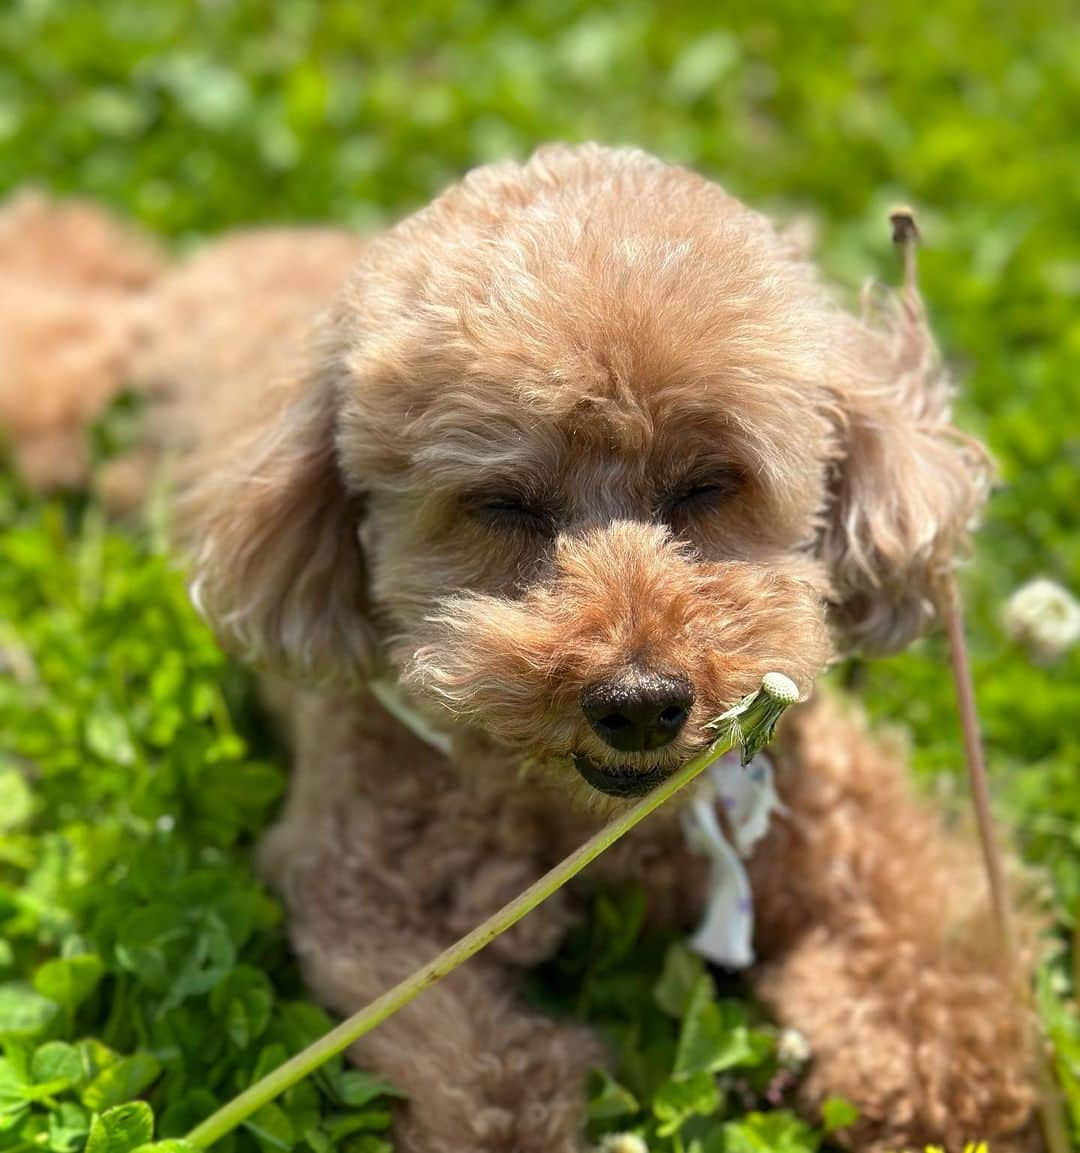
<point x="752" y="721"/>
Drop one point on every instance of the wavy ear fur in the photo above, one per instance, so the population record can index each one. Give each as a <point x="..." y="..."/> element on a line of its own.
<point x="279" y="571"/>
<point x="906" y="487"/>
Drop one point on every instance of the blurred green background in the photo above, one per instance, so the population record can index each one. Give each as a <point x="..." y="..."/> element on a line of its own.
<point x="194" y="117"/>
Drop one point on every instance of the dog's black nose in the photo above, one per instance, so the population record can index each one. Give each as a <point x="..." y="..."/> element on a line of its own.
<point x="638" y="711"/>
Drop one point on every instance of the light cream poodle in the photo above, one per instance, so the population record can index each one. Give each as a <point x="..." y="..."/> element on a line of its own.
<point x="572" y="457"/>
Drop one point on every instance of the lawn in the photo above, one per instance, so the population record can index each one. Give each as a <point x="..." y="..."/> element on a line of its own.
<point x="143" y="972"/>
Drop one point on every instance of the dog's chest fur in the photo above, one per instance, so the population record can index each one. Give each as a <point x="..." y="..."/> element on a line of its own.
<point x="373" y="809"/>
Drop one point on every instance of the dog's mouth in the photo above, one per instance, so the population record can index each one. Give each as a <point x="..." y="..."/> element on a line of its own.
<point x="616" y="781"/>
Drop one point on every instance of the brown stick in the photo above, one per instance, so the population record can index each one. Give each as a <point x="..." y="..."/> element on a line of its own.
<point x="905" y="235"/>
<point x="1051" y="1110"/>
<point x="976" y="769"/>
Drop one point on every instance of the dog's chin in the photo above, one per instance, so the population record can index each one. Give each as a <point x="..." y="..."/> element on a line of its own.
<point x="619" y="782"/>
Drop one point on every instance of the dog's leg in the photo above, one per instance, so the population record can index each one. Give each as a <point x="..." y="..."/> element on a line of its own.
<point x="877" y="945"/>
<point x="383" y="870"/>
<point x="482" y="1073"/>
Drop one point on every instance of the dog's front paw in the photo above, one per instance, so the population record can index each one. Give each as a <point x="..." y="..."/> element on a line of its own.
<point x="930" y="1054"/>
<point x="522" y="1090"/>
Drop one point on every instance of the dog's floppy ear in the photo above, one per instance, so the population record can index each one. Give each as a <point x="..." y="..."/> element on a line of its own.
<point x="906" y="485"/>
<point x="272" y="529"/>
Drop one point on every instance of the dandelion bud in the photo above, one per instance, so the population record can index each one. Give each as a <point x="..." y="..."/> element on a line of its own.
<point x="753" y="720"/>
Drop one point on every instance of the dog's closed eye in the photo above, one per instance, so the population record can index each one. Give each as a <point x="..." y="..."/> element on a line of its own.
<point x="511" y="511"/>
<point x="700" y="497"/>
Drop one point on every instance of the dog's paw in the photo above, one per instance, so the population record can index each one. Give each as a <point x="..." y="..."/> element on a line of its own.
<point x="930" y="1049"/>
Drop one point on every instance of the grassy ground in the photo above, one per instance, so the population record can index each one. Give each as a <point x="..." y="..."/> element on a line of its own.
<point x="139" y="961"/>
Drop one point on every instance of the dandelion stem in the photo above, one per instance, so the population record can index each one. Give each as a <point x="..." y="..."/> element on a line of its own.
<point x="976" y="766"/>
<point x="1050" y="1107"/>
<point x="776" y="690"/>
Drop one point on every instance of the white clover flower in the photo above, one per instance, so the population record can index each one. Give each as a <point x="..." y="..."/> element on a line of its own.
<point x="1044" y="617"/>
<point x="792" y="1048"/>
<point x="1059" y="983"/>
<point x="623" y="1143"/>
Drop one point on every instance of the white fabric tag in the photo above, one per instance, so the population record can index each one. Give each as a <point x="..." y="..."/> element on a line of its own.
<point x="748" y="799"/>
<point x="389" y="693"/>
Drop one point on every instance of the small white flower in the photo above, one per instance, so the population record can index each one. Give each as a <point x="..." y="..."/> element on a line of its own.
<point x="793" y="1049"/>
<point x="1044" y="618"/>
<point x="623" y="1143"/>
<point x="1059" y="983"/>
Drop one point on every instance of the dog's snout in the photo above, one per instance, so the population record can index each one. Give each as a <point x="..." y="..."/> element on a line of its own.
<point x="638" y="711"/>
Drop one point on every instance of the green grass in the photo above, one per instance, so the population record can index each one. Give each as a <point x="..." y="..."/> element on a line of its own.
<point x="139" y="960"/>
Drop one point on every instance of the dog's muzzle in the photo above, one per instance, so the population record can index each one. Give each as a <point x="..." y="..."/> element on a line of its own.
<point x="635" y="711"/>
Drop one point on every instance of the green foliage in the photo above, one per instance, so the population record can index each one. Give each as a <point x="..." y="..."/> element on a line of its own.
<point x="130" y="789"/>
<point x="143" y="973"/>
<point x="699" y="1070"/>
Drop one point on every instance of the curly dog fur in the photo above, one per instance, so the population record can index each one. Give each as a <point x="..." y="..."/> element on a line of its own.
<point x="73" y="286"/>
<point x="577" y="417"/>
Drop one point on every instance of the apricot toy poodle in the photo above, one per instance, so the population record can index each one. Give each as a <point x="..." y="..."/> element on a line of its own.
<point x="508" y="502"/>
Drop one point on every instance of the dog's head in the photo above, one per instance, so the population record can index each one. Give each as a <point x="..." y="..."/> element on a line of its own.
<point x="585" y="451"/>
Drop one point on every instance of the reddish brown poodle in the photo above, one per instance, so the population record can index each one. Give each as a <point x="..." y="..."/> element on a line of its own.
<point x="569" y="459"/>
<point x="73" y="287"/>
